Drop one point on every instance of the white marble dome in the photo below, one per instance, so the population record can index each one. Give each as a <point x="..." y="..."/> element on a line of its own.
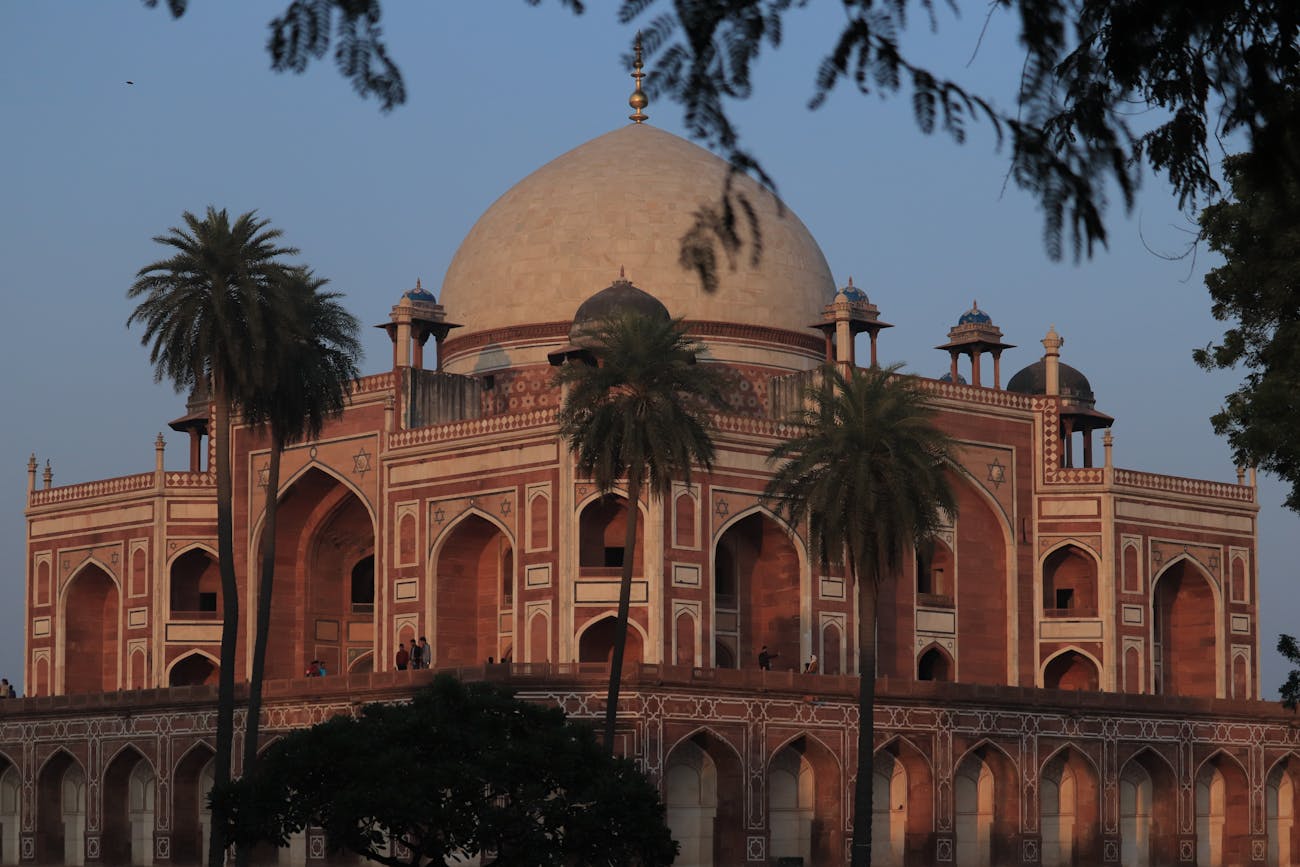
<point x="625" y="199"/>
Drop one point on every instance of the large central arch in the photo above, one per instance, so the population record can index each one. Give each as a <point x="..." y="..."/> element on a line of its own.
<point x="1187" y="631"/>
<point x="758" y="576"/>
<point x="91" y="607"/>
<point x="325" y="534"/>
<point x="473" y="571"/>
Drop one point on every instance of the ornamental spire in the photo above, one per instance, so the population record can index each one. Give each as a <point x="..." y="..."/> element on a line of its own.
<point x="638" y="100"/>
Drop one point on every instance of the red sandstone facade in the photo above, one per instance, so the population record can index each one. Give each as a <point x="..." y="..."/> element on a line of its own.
<point x="1069" y="676"/>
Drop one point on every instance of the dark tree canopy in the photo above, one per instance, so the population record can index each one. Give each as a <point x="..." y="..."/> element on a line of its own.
<point x="461" y="770"/>
<point x="1208" y="69"/>
<point x="1257" y="290"/>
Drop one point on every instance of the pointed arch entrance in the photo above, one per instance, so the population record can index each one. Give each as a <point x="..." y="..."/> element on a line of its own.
<point x="1069" y="801"/>
<point x="191" y="781"/>
<point x="128" y="793"/>
<point x="1280" y="790"/>
<point x="1148" y="800"/>
<point x="61" y="812"/>
<point x="596" y="644"/>
<point x="756" y="583"/>
<point x="473" y="572"/>
<point x="11" y="788"/>
<point x="324" y="534"/>
<point x="801" y="824"/>
<point x="986" y="808"/>
<point x="1071" y="669"/>
<point x="194" y="669"/>
<point x="1222" y="799"/>
<point x="703" y="794"/>
<point x="1185" y="630"/>
<point x="90" y="634"/>
<point x="902" y="804"/>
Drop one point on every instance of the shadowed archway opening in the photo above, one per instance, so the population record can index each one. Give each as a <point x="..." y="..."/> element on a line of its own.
<point x="902" y="804"/>
<point x="61" y="812"/>
<point x="11" y="792"/>
<point x="703" y="796"/>
<point x="1069" y="583"/>
<point x="193" y="670"/>
<point x="1071" y="670"/>
<point x="1222" y="800"/>
<point x="324" y="535"/>
<point x="756" y="591"/>
<point x="1280" y="791"/>
<point x="129" y="791"/>
<point x="597" y="644"/>
<point x="191" y="781"/>
<point x="195" y="585"/>
<point x="934" y="664"/>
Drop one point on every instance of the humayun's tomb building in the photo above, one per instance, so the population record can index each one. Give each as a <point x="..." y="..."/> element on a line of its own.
<point x="1068" y="676"/>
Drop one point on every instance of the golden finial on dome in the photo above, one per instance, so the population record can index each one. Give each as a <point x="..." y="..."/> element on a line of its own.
<point x="638" y="100"/>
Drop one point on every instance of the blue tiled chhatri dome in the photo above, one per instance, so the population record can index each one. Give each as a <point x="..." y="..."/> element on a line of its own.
<point x="974" y="315"/>
<point x="419" y="293"/>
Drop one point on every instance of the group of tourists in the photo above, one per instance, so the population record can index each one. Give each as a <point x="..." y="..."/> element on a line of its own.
<point x="765" y="658"/>
<point x="317" y="669"/>
<point x="417" y="657"/>
<point x="7" y="689"/>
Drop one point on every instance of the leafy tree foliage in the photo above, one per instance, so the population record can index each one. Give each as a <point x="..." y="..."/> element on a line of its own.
<point x="867" y="469"/>
<point x="1208" y="68"/>
<point x="1257" y="289"/>
<point x="1287" y="646"/>
<point x="462" y="770"/>
<point x="208" y="312"/>
<point x="640" y="413"/>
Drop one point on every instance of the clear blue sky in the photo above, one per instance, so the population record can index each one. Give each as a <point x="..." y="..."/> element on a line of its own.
<point x="92" y="168"/>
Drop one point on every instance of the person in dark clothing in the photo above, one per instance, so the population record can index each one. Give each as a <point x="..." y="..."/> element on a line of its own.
<point x="403" y="658"/>
<point x="765" y="659"/>
<point x="417" y="658"/>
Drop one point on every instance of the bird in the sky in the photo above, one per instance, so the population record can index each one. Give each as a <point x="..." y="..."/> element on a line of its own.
<point x="130" y="82"/>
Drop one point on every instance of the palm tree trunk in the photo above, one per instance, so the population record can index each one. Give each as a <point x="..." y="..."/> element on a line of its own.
<point x="862" y="809"/>
<point x="229" y="617"/>
<point x="262" y="635"/>
<point x="624" y="606"/>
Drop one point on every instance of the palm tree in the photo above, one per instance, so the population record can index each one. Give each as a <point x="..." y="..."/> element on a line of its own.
<point x="641" y="412"/>
<point x="314" y="351"/>
<point x="868" y="470"/>
<point x="206" y="313"/>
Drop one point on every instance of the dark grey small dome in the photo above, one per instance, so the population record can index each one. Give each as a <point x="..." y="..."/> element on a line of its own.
<point x="621" y="296"/>
<point x="1033" y="380"/>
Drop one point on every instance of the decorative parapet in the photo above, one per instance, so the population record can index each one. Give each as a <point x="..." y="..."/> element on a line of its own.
<point x="756" y="425"/>
<point x="190" y="480"/>
<point x="90" y="490"/>
<point x="1181" y="485"/>
<point x="373" y="383"/>
<point x="971" y="394"/>
<point x="471" y="428"/>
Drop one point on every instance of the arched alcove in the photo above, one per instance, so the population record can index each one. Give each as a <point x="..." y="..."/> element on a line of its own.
<point x="902" y="804"/>
<point x="194" y="669"/>
<point x="756" y="575"/>
<point x="362" y="585"/>
<point x="935" y="664"/>
<point x="194" y="580"/>
<point x="934" y="573"/>
<point x="602" y="534"/>
<point x="90" y="636"/>
<point x="470" y="578"/>
<point x="596" y="643"/>
<point x="1071" y="669"/>
<point x="1184" y="624"/>
<point x="1069" y="583"/>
